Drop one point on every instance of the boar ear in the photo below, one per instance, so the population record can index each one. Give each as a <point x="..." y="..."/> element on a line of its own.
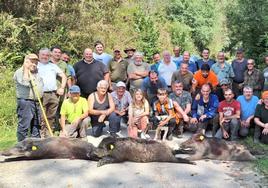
<point x="34" y="148"/>
<point x="201" y="138"/>
<point x="110" y="147"/>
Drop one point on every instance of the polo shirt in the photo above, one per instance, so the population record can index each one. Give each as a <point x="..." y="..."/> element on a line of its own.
<point x="88" y="75"/>
<point x="48" y="72"/>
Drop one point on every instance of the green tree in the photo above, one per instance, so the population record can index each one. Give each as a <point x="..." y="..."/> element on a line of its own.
<point x="148" y="34"/>
<point x="198" y="15"/>
<point x="247" y="22"/>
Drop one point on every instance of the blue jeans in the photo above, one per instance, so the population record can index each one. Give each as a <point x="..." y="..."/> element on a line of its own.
<point x="231" y="127"/>
<point x="97" y="127"/>
<point x="28" y="112"/>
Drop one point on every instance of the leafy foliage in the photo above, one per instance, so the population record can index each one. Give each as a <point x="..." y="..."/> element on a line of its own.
<point x="15" y="39"/>
<point x="198" y="15"/>
<point x="148" y="34"/>
<point x="181" y="36"/>
<point x="247" y="23"/>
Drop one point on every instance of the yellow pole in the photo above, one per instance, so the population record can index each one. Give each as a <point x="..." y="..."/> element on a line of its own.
<point x="40" y="103"/>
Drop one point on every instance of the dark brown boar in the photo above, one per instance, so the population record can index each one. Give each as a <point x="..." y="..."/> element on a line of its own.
<point x="116" y="150"/>
<point x="50" y="148"/>
<point x="202" y="147"/>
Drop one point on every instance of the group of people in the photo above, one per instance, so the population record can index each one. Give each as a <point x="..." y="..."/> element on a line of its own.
<point x="180" y="92"/>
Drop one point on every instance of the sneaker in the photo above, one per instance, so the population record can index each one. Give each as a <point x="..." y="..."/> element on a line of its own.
<point x="169" y="137"/>
<point x="119" y="134"/>
<point x="143" y="135"/>
<point x="147" y="136"/>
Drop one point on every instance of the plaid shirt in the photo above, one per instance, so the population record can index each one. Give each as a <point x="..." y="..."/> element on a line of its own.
<point x="254" y="80"/>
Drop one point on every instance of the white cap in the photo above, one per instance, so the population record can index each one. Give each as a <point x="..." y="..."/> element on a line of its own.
<point x="120" y="84"/>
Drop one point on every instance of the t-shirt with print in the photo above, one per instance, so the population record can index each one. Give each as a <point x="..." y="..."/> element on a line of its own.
<point x="229" y="109"/>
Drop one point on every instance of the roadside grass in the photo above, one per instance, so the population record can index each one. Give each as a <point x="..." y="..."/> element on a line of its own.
<point x="8" y="117"/>
<point x="262" y="160"/>
<point x="7" y="138"/>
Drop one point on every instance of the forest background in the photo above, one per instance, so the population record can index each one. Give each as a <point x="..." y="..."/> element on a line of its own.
<point x="148" y="25"/>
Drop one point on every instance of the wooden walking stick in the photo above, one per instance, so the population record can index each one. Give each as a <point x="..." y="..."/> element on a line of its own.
<point x="40" y="103"/>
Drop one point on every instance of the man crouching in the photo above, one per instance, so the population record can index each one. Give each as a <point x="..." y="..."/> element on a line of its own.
<point x="74" y="115"/>
<point x="164" y="112"/>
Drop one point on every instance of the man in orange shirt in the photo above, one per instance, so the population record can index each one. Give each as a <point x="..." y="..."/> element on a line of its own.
<point x="204" y="76"/>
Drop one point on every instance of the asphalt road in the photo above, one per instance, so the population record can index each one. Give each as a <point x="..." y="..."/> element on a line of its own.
<point x="80" y="173"/>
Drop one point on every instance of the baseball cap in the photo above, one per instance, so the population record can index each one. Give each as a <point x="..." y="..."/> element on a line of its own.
<point x="74" y="89"/>
<point x="120" y="84"/>
<point x="224" y="81"/>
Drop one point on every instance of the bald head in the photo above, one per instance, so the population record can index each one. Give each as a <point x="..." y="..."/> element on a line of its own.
<point x="88" y="54"/>
<point x="221" y="57"/>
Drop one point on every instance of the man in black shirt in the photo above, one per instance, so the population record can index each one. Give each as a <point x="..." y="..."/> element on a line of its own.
<point x="89" y="72"/>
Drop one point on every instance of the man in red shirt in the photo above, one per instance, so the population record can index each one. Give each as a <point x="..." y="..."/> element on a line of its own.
<point x="229" y="112"/>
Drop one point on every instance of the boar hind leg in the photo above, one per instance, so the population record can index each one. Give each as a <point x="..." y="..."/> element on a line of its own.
<point x="195" y="157"/>
<point x="107" y="160"/>
<point x="23" y="158"/>
<point x="182" y="160"/>
<point x="182" y="151"/>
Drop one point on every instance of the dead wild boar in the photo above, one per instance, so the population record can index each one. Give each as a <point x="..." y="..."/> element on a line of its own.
<point x="116" y="150"/>
<point x="202" y="147"/>
<point x="50" y="148"/>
